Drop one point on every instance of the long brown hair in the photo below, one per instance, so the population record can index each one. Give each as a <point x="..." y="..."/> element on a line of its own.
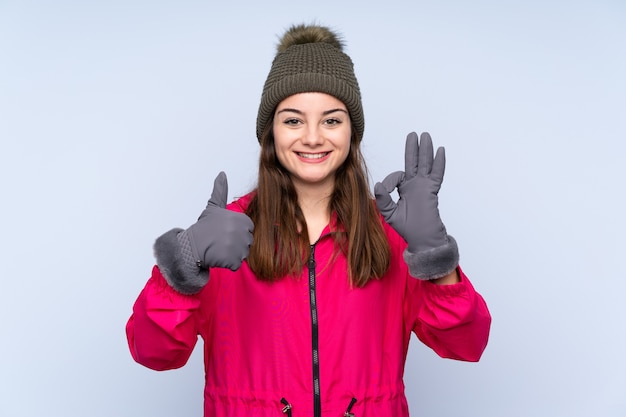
<point x="281" y="249"/>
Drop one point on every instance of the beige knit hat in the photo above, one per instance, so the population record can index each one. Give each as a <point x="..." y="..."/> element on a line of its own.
<point x="310" y="58"/>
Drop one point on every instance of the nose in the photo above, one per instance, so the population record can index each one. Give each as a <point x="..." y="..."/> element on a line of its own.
<point x="312" y="136"/>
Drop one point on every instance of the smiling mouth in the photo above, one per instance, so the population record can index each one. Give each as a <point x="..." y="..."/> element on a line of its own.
<point x="312" y="155"/>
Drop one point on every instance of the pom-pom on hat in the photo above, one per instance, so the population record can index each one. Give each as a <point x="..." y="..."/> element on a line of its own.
<point x="310" y="58"/>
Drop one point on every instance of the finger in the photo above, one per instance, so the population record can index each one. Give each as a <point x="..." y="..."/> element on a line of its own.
<point x="235" y="267"/>
<point x="220" y="191"/>
<point x="393" y="180"/>
<point x="425" y="154"/>
<point x="249" y="228"/>
<point x="384" y="202"/>
<point x="411" y="153"/>
<point x="439" y="165"/>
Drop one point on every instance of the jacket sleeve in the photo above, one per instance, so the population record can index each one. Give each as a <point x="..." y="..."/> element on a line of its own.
<point x="162" y="329"/>
<point x="453" y="320"/>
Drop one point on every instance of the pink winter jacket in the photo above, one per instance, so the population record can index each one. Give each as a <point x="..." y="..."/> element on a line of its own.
<point x="315" y="343"/>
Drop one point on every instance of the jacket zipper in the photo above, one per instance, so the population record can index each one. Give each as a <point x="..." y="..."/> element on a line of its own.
<point x="287" y="407"/>
<point x="348" y="412"/>
<point x="317" y="401"/>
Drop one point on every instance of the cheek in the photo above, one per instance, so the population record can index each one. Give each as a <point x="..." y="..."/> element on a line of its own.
<point x="279" y="139"/>
<point x="345" y="154"/>
<point x="346" y="144"/>
<point x="281" y="158"/>
<point x="281" y="151"/>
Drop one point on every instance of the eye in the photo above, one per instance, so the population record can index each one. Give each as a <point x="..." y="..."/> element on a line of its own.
<point x="292" y="121"/>
<point x="332" y="122"/>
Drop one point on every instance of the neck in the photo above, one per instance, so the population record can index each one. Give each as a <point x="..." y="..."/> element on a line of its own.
<point x="315" y="205"/>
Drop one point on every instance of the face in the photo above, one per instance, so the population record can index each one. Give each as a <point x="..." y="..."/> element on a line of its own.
<point x="312" y="137"/>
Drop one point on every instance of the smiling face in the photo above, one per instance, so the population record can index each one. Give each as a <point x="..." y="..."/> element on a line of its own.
<point x="312" y="138"/>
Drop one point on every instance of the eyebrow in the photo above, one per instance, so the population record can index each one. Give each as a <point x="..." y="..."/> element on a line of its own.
<point x="324" y="113"/>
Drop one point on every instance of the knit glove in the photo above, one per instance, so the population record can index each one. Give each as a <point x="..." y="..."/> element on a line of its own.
<point x="431" y="252"/>
<point x="220" y="238"/>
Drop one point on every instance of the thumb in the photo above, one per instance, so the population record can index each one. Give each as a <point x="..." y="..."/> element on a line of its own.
<point x="220" y="191"/>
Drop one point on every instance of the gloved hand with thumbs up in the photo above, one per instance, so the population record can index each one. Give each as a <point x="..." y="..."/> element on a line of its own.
<point x="220" y="238"/>
<point x="431" y="252"/>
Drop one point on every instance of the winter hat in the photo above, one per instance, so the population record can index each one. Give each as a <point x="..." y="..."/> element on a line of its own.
<point x="310" y="58"/>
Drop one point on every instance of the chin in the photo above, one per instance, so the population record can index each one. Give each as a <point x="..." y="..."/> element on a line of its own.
<point x="314" y="179"/>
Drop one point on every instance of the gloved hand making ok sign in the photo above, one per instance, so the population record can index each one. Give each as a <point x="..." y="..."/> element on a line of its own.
<point x="220" y="238"/>
<point x="431" y="252"/>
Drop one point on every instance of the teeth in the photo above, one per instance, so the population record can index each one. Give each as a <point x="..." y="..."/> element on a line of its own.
<point x="313" y="155"/>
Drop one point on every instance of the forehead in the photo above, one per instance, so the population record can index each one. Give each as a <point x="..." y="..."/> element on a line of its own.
<point x="311" y="101"/>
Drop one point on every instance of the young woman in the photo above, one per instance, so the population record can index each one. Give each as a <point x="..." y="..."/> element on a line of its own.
<point x="306" y="290"/>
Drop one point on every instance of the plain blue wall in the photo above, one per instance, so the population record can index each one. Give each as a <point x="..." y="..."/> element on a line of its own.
<point x="115" y="116"/>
